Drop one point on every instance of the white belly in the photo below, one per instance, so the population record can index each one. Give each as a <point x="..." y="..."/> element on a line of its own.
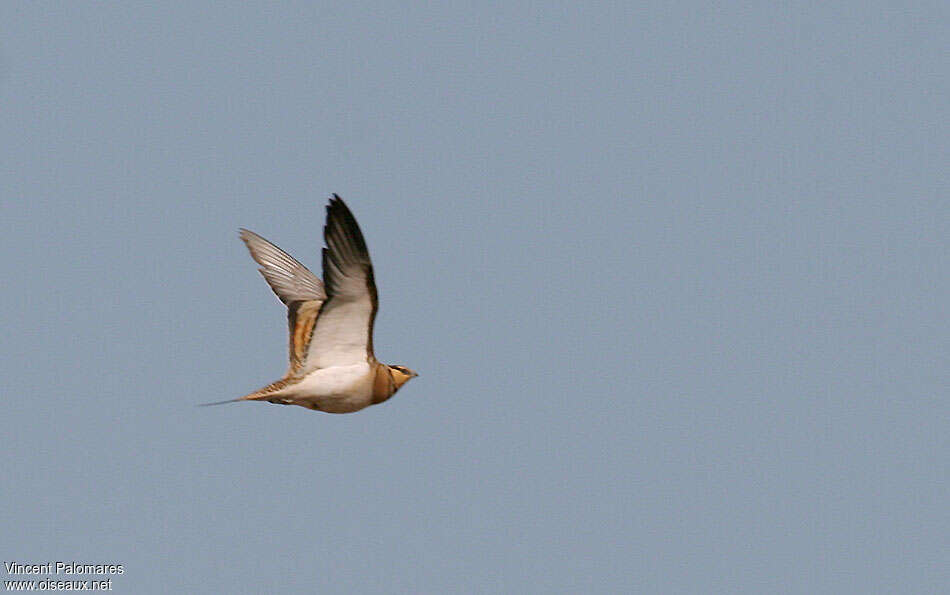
<point x="339" y="389"/>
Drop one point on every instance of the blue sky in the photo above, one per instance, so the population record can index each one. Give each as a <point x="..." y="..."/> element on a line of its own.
<point x="674" y="277"/>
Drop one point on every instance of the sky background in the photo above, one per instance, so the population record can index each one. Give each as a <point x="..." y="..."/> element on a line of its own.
<point x="674" y="277"/>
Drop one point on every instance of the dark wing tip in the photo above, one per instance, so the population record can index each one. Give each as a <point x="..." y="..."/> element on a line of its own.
<point x="337" y="209"/>
<point x="342" y="234"/>
<point x="346" y="253"/>
<point x="336" y="203"/>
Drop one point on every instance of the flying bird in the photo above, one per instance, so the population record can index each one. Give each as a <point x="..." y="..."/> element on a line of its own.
<point x="332" y="365"/>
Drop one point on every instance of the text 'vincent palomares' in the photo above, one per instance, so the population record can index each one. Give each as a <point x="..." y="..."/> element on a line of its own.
<point x="63" y="568"/>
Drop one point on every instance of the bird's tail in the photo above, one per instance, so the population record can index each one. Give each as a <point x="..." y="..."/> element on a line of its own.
<point x="265" y="394"/>
<point x="222" y="402"/>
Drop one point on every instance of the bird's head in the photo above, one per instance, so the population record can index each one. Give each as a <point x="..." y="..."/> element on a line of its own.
<point x="401" y="375"/>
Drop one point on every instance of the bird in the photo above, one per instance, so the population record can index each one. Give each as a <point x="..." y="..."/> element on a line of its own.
<point x="332" y="365"/>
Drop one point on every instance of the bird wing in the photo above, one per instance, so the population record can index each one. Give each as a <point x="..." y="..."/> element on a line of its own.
<point x="343" y="333"/>
<point x="296" y="286"/>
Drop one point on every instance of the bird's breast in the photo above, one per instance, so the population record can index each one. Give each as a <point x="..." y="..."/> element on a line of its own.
<point x="338" y="389"/>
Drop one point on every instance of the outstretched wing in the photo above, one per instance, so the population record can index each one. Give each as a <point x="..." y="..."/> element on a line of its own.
<point x="343" y="334"/>
<point x="296" y="287"/>
<point x="290" y="280"/>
